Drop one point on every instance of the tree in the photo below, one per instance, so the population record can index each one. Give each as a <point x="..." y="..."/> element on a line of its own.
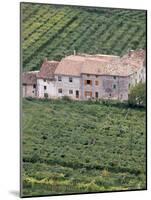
<point x="137" y="96"/>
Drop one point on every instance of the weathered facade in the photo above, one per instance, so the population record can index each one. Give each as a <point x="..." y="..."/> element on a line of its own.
<point x="104" y="87"/>
<point x="68" y="86"/>
<point x="68" y="77"/>
<point x="83" y="77"/>
<point x="29" y="84"/>
<point x="46" y="84"/>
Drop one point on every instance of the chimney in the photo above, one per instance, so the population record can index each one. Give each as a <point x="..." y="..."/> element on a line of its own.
<point x="74" y="52"/>
<point x="45" y="59"/>
<point x="130" y="52"/>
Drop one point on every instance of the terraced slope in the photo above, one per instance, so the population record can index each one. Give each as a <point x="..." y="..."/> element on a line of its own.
<point x="55" y="31"/>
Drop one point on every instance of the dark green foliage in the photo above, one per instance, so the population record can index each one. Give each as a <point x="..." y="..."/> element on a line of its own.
<point x="71" y="146"/>
<point x="137" y="96"/>
<point x="66" y="98"/>
<point x="34" y="158"/>
<point x="55" y="31"/>
<point x="46" y="95"/>
<point x="29" y="98"/>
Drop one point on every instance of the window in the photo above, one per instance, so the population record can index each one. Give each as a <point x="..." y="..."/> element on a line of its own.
<point x="114" y="77"/>
<point x="88" y="75"/>
<point x="129" y="85"/>
<point x="34" y="86"/>
<point x="88" y="94"/>
<point x="88" y="82"/>
<point x="96" y="76"/>
<point x="45" y="87"/>
<point x="70" y="91"/>
<point x="96" y="82"/>
<point x="96" y="94"/>
<point x="114" y="86"/>
<point x="60" y="90"/>
<point x="59" y="78"/>
<point x="44" y="80"/>
<point x="70" y="79"/>
<point x="110" y="95"/>
<point x="77" y="93"/>
<point x="33" y="91"/>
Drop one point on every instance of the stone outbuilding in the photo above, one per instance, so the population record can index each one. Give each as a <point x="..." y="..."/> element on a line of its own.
<point x="29" y="84"/>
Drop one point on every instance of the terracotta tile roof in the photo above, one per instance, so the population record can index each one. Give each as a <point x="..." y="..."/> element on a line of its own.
<point x="29" y="78"/>
<point x="134" y="58"/>
<point x="104" y="68"/>
<point x="73" y="64"/>
<point x="70" y="65"/>
<point x="47" y="69"/>
<point x="101" y="64"/>
<point x="137" y="54"/>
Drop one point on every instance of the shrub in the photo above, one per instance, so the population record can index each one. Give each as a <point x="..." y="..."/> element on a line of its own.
<point x="29" y="98"/>
<point x="44" y="137"/>
<point x="35" y="158"/>
<point x="66" y="98"/>
<point x="137" y="96"/>
<point x="105" y="173"/>
<point x="46" y="95"/>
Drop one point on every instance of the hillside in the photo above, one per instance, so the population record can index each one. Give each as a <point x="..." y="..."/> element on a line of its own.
<point x="55" y="31"/>
<point x="64" y="153"/>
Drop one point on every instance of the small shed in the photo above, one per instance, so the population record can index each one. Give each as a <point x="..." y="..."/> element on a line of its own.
<point x="29" y="84"/>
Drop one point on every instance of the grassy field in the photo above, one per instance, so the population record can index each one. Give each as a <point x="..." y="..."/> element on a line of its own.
<point x="55" y="31"/>
<point x="73" y="147"/>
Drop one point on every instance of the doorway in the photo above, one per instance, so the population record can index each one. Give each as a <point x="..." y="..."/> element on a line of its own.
<point x="77" y="94"/>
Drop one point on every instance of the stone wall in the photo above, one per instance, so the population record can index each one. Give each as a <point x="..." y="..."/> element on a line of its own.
<point x="85" y="86"/>
<point x="68" y="88"/>
<point x="29" y="91"/>
<point x="137" y="77"/>
<point x="105" y="87"/>
<point x="45" y="86"/>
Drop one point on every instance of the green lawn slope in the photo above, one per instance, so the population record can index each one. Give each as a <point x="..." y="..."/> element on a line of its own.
<point x="73" y="147"/>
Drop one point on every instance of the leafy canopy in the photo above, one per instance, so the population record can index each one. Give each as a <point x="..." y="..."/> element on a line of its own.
<point x="137" y="96"/>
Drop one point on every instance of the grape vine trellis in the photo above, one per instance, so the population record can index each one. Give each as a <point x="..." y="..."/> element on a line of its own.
<point x="54" y="31"/>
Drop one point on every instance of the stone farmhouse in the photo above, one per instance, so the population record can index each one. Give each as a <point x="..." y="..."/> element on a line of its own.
<point x="84" y="76"/>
